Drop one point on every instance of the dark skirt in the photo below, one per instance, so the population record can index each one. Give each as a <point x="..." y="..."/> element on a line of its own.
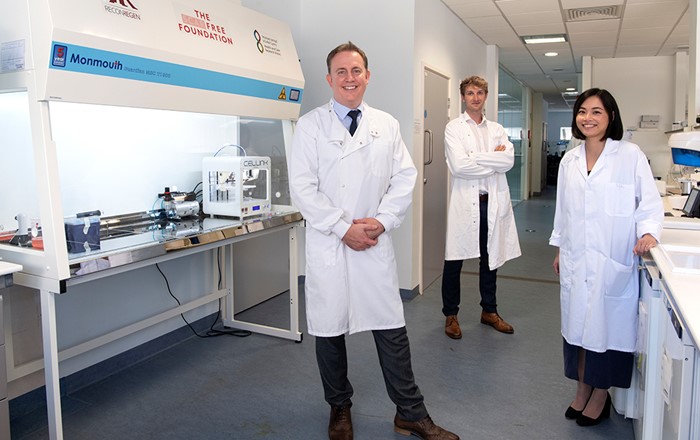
<point x="601" y="370"/>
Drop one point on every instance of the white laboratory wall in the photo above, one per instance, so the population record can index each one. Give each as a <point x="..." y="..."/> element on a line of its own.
<point x="400" y="37"/>
<point x="384" y="30"/>
<point x="444" y="44"/>
<point x="642" y="86"/>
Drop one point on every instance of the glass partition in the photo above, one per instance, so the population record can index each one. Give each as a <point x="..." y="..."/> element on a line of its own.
<point x="510" y="115"/>
<point x="131" y="177"/>
<point x="20" y="223"/>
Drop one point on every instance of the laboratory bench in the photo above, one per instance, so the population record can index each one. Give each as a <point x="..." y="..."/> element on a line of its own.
<point x="131" y="251"/>
<point x="6" y="272"/>
<point x="664" y="397"/>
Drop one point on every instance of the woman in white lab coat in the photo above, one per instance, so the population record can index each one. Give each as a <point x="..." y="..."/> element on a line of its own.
<point x="608" y="211"/>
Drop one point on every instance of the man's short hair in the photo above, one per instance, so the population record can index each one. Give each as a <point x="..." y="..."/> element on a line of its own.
<point x="475" y="81"/>
<point x="346" y="47"/>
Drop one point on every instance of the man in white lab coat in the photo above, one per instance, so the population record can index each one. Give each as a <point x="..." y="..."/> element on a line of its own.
<point x="352" y="178"/>
<point x="480" y="220"/>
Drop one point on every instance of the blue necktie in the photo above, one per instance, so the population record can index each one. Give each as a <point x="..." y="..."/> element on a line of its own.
<point x="353" y="125"/>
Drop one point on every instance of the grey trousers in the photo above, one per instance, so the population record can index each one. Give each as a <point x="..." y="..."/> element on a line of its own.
<point x="395" y="360"/>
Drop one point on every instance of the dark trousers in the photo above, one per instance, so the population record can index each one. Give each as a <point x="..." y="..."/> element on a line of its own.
<point x="487" y="278"/>
<point x="395" y="360"/>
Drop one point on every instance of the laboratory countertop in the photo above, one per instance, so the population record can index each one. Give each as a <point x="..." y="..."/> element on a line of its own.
<point x="678" y="259"/>
<point x="190" y="233"/>
<point x="8" y="268"/>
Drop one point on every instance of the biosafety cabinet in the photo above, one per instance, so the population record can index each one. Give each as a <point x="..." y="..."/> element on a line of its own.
<point x="105" y="103"/>
<point x="108" y="109"/>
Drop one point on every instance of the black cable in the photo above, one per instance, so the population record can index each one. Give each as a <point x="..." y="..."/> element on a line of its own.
<point x="195" y="187"/>
<point x="219" y="332"/>
<point x="211" y="332"/>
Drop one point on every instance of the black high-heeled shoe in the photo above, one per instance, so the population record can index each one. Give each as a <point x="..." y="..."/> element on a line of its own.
<point x="572" y="413"/>
<point x="604" y="414"/>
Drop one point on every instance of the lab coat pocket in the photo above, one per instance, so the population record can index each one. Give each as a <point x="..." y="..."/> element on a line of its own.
<point x="386" y="247"/>
<point x="619" y="200"/>
<point x="380" y="157"/>
<point x="618" y="279"/>
<point x="321" y="250"/>
<point x="566" y="269"/>
<point x="504" y="204"/>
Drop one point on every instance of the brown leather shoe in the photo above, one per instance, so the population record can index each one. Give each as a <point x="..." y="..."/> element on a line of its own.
<point x="423" y="428"/>
<point x="340" y="425"/>
<point x="452" y="327"/>
<point x="495" y="321"/>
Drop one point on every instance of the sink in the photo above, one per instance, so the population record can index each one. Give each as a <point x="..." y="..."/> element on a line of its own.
<point x="683" y="259"/>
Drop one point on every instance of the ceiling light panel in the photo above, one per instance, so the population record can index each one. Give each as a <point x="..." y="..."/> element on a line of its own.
<point x="542" y="39"/>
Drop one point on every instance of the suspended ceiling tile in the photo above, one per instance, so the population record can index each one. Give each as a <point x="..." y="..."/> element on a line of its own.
<point x="510" y="7"/>
<point x="678" y="38"/>
<point x="608" y="25"/>
<point x="535" y="18"/>
<point x="596" y="52"/>
<point x="502" y="39"/>
<point x="630" y="2"/>
<point x="643" y="36"/>
<point x="654" y="10"/>
<point x="540" y="29"/>
<point x="517" y="58"/>
<point x="481" y="24"/>
<point x="475" y="9"/>
<point x="500" y="22"/>
<point x="642" y="22"/>
<point x="595" y="37"/>
<point x="573" y="4"/>
<point x="514" y="51"/>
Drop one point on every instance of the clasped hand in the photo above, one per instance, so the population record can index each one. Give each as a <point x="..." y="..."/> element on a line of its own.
<point x="363" y="234"/>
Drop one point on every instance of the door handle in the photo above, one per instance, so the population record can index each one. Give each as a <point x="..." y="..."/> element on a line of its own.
<point x="430" y="146"/>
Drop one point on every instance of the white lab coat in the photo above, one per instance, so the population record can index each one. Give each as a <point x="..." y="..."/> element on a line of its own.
<point x="598" y="220"/>
<point x="335" y="178"/>
<point x="467" y="165"/>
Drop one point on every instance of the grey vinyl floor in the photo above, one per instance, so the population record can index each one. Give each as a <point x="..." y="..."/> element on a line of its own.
<point x="487" y="385"/>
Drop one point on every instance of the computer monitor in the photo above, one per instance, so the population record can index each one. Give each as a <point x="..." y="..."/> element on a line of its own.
<point x="692" y="204"/>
